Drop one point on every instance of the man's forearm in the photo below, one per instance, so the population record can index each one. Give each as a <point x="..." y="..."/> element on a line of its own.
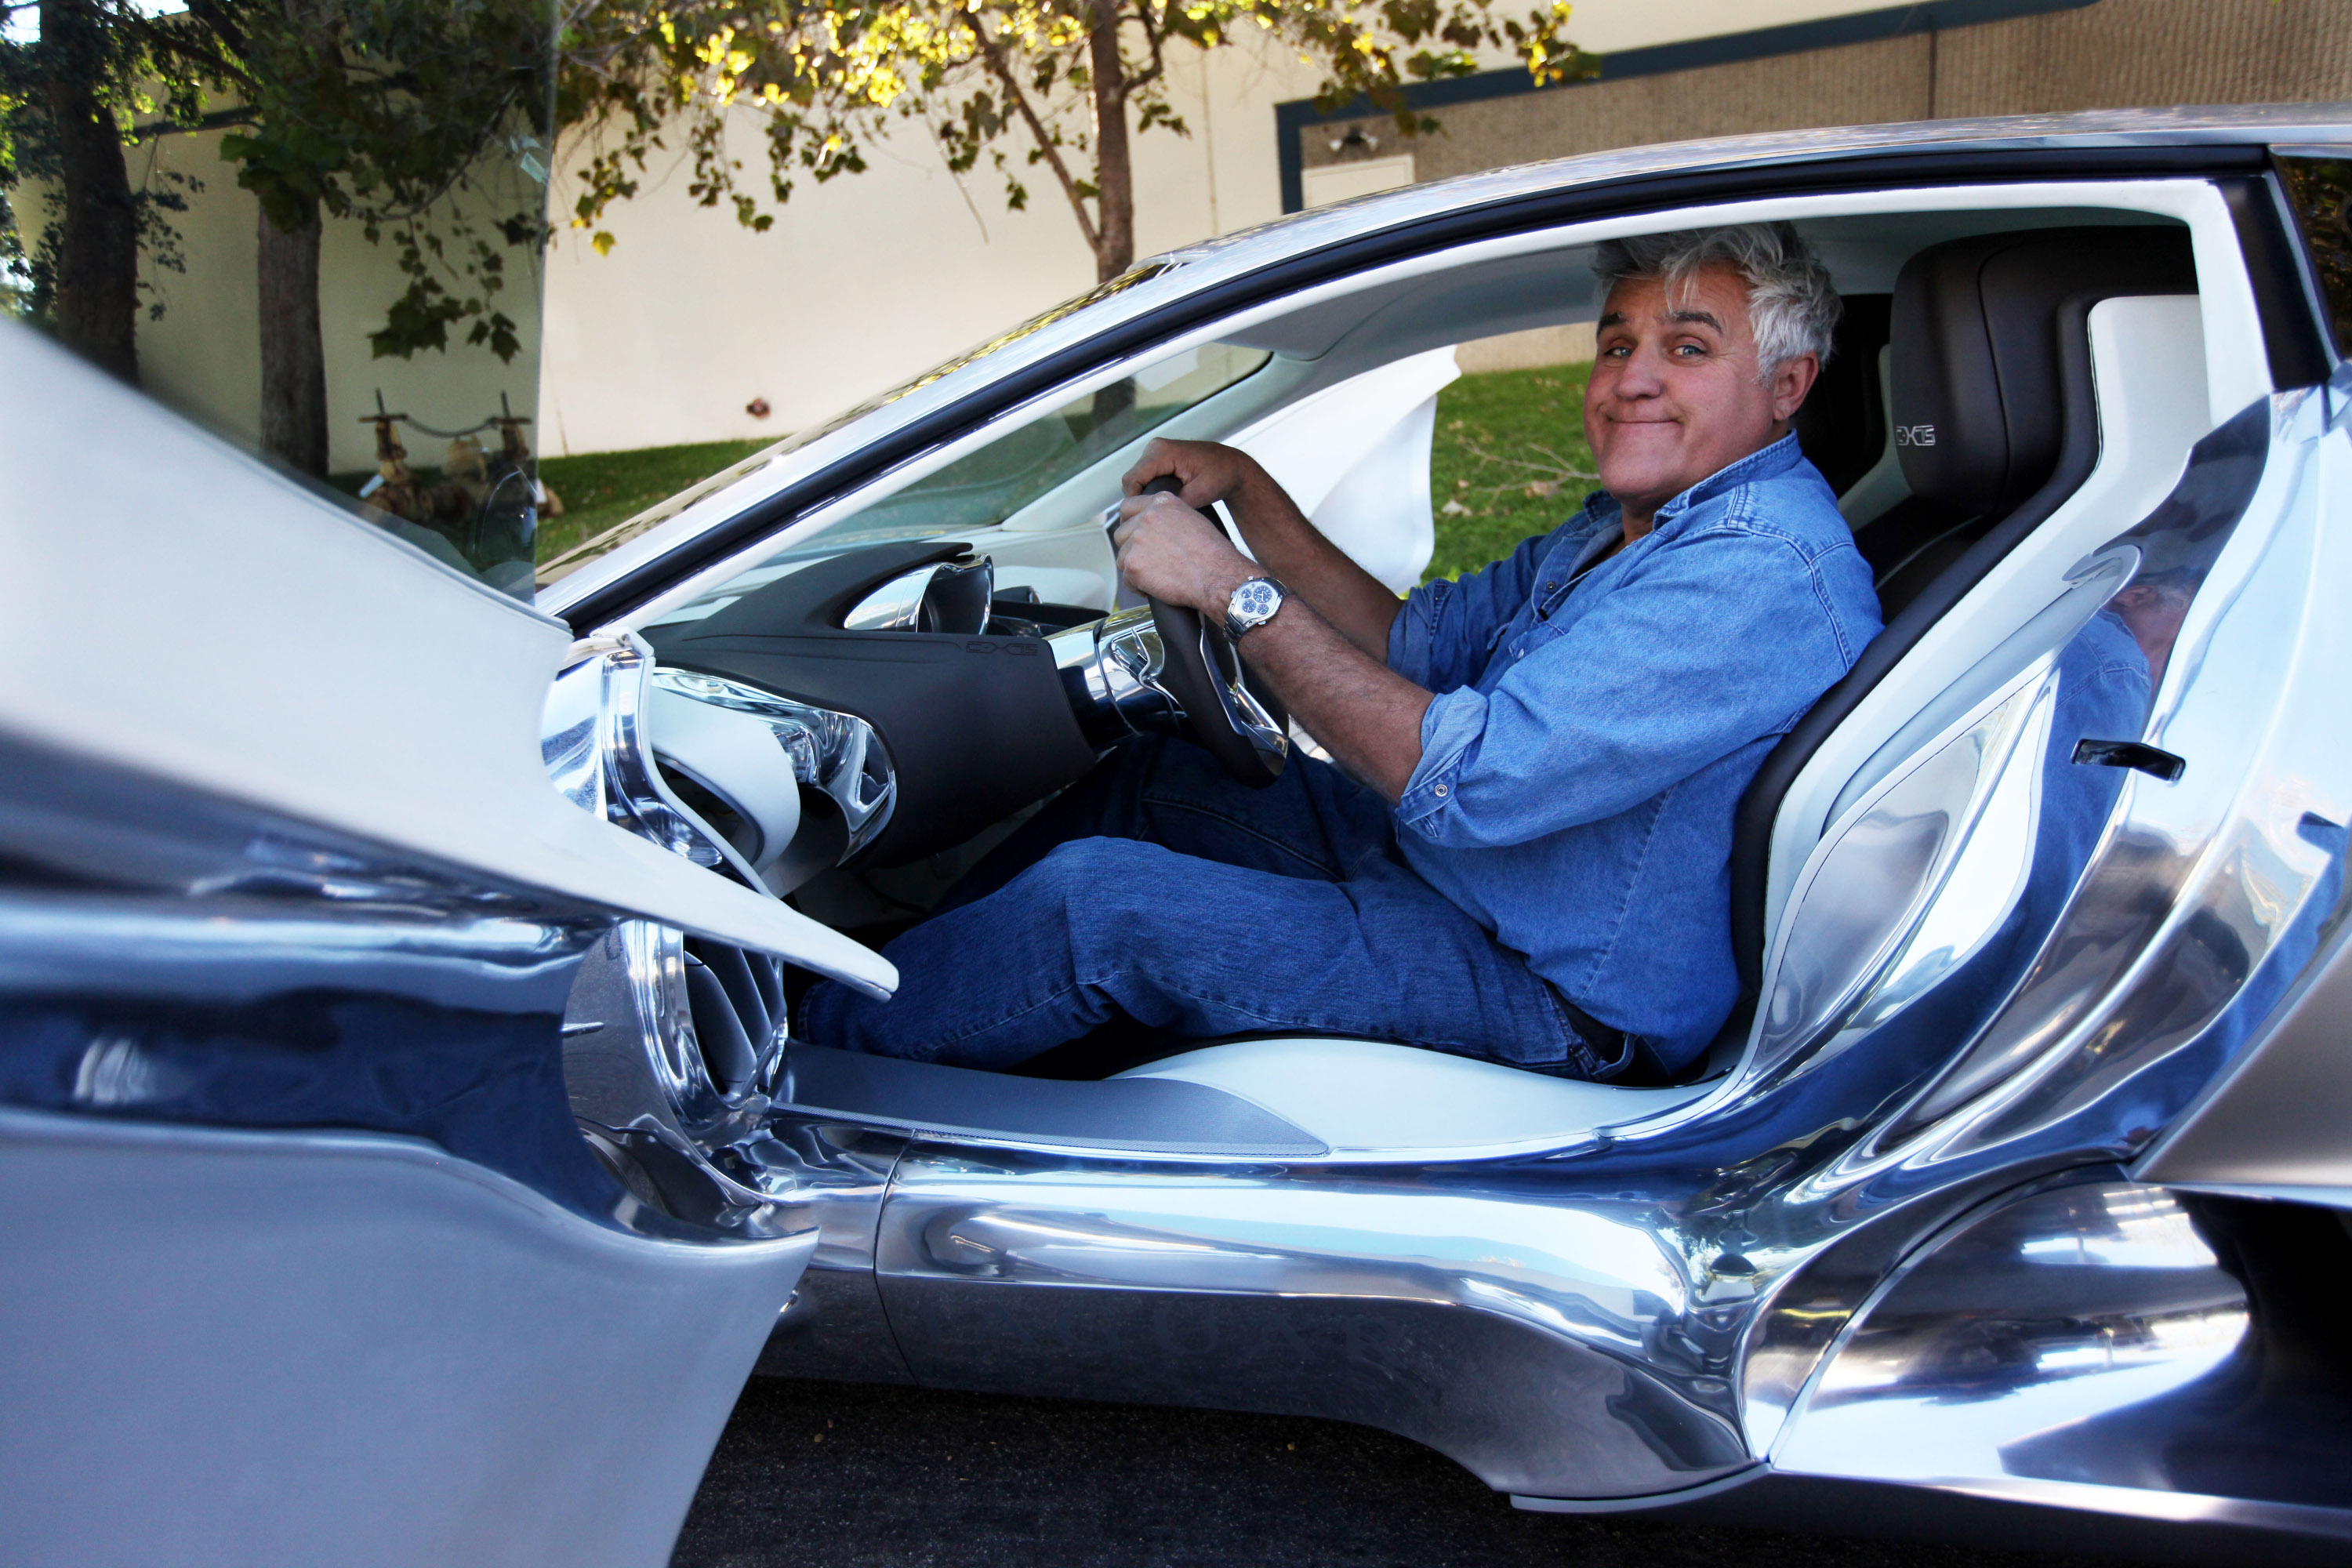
<point x="1351" y="601"/>
<point x="1364" y="713"/>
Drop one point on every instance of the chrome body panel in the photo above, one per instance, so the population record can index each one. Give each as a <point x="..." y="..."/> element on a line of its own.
<point x="1993" y="1352"/>
<point x="288" y="1347"/>
<point x="1522" y="1337"/>
<point x="304" y="1241"/>
<point x="2276" y="1127"/>
<point x="833" y="1174"/>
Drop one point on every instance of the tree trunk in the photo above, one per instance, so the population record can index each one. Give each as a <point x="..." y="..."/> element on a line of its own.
<point x="293" y="356"/>
<point x="97" y="308"/>
<point x="1114" y="166"/>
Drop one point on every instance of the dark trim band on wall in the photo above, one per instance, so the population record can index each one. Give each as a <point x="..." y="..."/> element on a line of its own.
<point x="1730" y="49"/>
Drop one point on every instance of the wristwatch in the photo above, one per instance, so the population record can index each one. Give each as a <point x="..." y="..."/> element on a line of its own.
<point x="1253" y="605"/>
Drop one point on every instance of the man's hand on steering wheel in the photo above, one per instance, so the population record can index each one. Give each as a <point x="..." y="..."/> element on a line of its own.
<point x="1207" y="470"/>
<point x="1167" y="551"/>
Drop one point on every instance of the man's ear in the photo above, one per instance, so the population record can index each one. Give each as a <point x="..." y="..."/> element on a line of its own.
<point x="1791" y="380"/>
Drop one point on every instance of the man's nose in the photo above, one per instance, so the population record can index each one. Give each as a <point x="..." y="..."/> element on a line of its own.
<point x="1641" y="374"/>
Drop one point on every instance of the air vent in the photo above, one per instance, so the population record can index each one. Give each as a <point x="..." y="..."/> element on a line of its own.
<point x="736" y="1002"/>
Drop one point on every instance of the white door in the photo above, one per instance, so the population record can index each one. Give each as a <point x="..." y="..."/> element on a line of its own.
<point x="308" y="1262"/>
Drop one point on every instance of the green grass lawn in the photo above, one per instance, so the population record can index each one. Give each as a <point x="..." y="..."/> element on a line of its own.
<point x="1509" y="460"/>
<point x="601" y="489"/>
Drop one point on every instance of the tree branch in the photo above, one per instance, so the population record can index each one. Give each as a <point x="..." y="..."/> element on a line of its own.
<point x="1156" y="37"/>
<point x="994" y="55"/>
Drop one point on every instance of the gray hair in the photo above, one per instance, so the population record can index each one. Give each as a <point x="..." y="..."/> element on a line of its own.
<point x="1790" y="303"/>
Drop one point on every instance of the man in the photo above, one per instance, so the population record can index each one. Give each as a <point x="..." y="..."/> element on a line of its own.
<point x="1523" y="855"/>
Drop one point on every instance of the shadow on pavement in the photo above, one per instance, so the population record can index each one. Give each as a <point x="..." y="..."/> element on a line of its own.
<point x="813" y="1475"/>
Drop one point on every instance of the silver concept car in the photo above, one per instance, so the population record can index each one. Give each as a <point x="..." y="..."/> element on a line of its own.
<point x="406" y="1159"/>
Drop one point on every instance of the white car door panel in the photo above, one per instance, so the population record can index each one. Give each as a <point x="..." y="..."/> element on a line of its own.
<point x="194" y="616"/>
<point x="317" y="1261"/>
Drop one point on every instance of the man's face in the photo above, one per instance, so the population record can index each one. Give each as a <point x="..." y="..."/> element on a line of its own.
<point x="1673" y="396"/>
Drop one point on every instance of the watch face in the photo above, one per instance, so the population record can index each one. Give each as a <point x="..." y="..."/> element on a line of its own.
<point x="1257" y="601"/>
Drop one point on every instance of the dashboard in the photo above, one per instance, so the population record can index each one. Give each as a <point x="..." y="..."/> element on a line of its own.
<point x="873" y="707"/>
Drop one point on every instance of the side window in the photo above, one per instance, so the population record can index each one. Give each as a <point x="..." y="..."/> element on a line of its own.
<point x="2320" y="187"/>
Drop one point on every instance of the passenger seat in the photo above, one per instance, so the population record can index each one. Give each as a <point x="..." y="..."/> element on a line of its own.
<point x="1993" y="414"/>
<point x="1997" y="423"/>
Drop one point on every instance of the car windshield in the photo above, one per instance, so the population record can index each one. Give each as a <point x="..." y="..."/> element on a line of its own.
<point x="997" y="479"/>
<point x="612" y="538"/>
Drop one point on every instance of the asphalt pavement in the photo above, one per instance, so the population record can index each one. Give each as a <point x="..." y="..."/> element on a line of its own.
<point x="814" y="1475"/>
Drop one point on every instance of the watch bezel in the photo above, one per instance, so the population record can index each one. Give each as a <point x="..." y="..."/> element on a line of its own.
<point x="1239" y="620"/>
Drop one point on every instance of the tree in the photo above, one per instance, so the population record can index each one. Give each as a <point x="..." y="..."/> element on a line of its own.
<point x="1024" y="83"/>
<point x="385" y="112"/>
<point x="382" y="111"/>
<point x="69" y="103"/>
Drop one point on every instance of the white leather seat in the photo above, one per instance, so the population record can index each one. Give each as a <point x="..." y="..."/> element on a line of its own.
<point x="1369" y="1097"/>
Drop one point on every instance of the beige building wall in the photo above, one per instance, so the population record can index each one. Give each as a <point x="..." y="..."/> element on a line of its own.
<point x="868" y="280"/>
<point x="2123" y="53"/>
<point x="202" y="355"/>
<point x="872" y="279"/>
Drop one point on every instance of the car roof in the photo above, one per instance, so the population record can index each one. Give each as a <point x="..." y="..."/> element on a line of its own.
<point x="802" y="463"/>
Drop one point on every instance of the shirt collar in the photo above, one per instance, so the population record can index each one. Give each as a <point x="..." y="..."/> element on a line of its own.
<point x="1763" y="464"/>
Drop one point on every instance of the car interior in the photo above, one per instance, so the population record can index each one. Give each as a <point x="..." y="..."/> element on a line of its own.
<point x="2011" y="387"/>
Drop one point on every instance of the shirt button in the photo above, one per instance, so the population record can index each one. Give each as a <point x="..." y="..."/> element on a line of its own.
<point x="1551" y="587"/>
<point x="1441" y="792"/>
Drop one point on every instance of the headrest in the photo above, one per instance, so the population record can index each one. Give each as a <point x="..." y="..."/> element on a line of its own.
<point x="1975" y="336"/>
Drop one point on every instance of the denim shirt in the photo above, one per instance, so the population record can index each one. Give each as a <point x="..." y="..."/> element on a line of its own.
<point x="1583" y="761"/>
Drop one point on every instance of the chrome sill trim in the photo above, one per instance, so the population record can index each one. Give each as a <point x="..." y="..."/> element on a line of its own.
<point x="1646" y="1501"/>
<point x="2271" y="1192"/>
<point x="918" y="1132"/>
<point x="2178" y="1508"/>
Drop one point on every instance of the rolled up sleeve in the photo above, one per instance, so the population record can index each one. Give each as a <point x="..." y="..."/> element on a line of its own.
<point x="1718" y="641"/>
<point x="1451" y="730"/>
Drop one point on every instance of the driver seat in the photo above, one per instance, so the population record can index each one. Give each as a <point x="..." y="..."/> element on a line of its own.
<point x="1372" y="1097"/>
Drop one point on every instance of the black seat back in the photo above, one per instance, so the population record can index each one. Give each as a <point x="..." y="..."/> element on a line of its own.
<point x="1997" y="424"/>
<point x="1842" y="426"/>
<point x="1986" y="425"/>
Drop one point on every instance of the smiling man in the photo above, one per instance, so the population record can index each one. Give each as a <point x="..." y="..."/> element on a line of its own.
<point x="1523" y="854"/>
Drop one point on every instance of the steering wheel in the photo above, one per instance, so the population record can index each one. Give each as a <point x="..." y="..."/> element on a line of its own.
<point x="1204" y="673"/>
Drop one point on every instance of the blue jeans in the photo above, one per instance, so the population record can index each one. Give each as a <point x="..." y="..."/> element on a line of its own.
<point x="1159" y="891"/>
